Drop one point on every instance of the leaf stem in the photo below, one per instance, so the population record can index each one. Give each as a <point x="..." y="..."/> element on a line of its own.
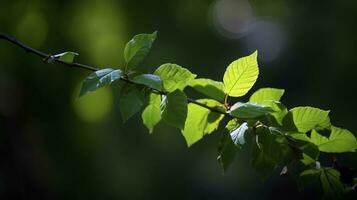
<point x="226" y="101"/>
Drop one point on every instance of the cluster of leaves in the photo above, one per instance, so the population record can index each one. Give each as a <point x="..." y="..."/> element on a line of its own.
<point x="287" y="139"/>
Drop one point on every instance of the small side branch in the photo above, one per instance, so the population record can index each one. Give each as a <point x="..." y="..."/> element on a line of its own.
<point x="45" y="56"/>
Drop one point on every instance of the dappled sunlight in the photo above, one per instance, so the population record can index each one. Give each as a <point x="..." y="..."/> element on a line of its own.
<point x="98" y="29"/>
<point x="231" y="17"/>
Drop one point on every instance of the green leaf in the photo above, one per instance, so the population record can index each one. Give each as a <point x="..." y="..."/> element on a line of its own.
<point x="201" y="121"/>
<point x="241" y="75"/>
<point x="152" y="113"/>
<point x="174" y="76"/>
<point x="309" y="161"/>
<point x="309" y="172"/>
<point x="67" y="57"/>
<point x="137" y="49"/>
<point x="262" y="163"/>
<point x="280" y="111"/>
<point x="304" y="119"/>
<point x="174" y="109"/>
<point x="262" y="159"/>
<point x="271" y="97"/>
<point x="226" y="148"/>
<point x="130" y="102"/>
<point x="339" y="141"/>
<point x="237" y="134"/>
<point x="249" y="110"/>
<point x="267" y="96"/>
<point x="308" y="177"/>
<point x="150" y="80"/>
<point x="330" y="182"/>
<point x="99" y="79"/>
<point x="304" y="149"/>
<point x="271" y="149"/>
<point x="299" y="136"/>
<point x="310" y="150"/>
<point x="210" y="88"/>
<point x="231" y="125"/>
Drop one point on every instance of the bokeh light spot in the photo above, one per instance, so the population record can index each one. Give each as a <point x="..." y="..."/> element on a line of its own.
<point x="268" y="37"/>
<point x="230" y="17"/>
<point x="94" y="106"/>
<point x="98" y="29"/>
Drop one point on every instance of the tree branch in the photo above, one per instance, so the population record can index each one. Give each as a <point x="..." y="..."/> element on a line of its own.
<point x="45" y="56"/>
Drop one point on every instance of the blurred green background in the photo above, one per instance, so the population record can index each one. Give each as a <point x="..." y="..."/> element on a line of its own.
<point x="56" y="146"/>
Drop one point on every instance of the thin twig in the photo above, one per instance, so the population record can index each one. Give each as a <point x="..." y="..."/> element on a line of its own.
<point x="45" y="56"/>
<point x="42" y="54"/>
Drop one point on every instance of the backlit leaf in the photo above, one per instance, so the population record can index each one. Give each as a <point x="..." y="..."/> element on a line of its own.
<point x="304" y="119"/>
<point x="152" y="113"/>
<point x="339" y="141"/>
<point x="174" y="76"/>
<point x="67" y="57"/>
<point x="266" y="96"/>
<point x="299" y="136"/>
<point x="208" y="87"/>
<point x="241" y="75"/>
<point x="280" y="111"/>
<point x="201" y="121"/>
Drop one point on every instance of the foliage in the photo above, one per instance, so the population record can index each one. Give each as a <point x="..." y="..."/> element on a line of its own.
<point x="289" y="140"/>
<point x="67" y="57"/>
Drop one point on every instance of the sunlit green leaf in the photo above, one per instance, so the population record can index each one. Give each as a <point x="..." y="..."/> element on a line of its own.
<point x="266" y="96"/>
<point x="308" y="161"/>
<point x="67" y="57"/>
<point x="340" y="140"/>
<point x="174" y="76"/>
<point x="249" y="110"/>
<point x="137" y="49"/>
<point x="226" y="148"/>
<point x="271" y="97"/>
<point x="174" y="109"/>
<point x="210" y="88"/>
<point x="299" y="136"/>
<point x="304" y="119"/>
<point x="280" y="111"/>
<point x="130" y="102"/>
<point x="99" y="79"/>
<point x="201" y="121"/>
<point x="152" y="113"/>
<point x="241" y="75"/>
<point x="150" y="80"/>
